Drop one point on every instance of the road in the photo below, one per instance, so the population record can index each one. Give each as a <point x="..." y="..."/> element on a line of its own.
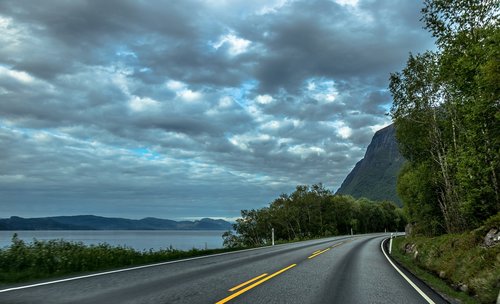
<point x="334" y="270"/>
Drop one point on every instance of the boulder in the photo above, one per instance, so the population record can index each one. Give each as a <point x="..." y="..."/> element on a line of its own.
<point x="463" y="287"/>
<point x="492" y="238"/>
<point x="410" y="248"/>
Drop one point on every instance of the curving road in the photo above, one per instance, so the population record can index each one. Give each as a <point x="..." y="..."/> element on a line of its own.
<point x="334" y="270"/>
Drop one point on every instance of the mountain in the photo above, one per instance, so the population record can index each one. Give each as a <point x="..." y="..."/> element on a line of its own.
<point x="375" y="176"/>
<point x="92" y="222"/>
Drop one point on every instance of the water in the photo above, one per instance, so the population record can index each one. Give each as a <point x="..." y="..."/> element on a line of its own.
<point x="137" y="239"/>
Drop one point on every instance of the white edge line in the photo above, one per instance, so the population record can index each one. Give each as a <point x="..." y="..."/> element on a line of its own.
<point x="405" y="277"/>
<point x="128" y="269"/>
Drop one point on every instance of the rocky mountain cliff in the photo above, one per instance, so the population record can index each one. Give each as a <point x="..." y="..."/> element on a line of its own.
<point x="374" y="177"/>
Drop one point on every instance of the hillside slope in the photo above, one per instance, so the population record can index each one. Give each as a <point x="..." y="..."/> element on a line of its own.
<point x="92" y="222"/>
<point x="375" y="176"/>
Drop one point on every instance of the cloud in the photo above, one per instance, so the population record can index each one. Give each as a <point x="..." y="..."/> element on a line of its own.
<point x="190" y="108"/>
<point x="264" y="99"/>
<point x="236" y="45"/>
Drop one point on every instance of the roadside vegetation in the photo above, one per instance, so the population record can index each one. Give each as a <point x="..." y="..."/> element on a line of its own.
<point x="23" y="261"/>
<point x="462" y="265"/>
<point x="312" y="212"/>
<point x="446" y="112"/>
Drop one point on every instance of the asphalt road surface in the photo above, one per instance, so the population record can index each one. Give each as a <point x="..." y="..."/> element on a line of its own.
<point x="350" y="269"/>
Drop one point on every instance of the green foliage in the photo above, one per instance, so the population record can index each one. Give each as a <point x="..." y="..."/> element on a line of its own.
<point x="312" y="212"/>
<point x="491" y="223"/>
<point x="446" y="113"/>
<point x="43" y="259"/>
<point x="417" y="188"/>
<point x="458" y="259"/>
<point x="446" y="19"/>
<point x="427" y="276"/>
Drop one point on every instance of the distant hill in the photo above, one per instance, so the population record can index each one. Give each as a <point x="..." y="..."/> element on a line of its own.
<point x="92" y="222"/>
<point x="375" y="176"/>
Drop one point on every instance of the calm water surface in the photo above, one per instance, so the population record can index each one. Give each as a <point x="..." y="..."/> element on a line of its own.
<point x="137" y="239"/>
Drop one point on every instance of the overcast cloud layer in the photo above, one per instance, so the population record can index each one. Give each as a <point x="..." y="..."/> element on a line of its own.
<point x="186" y="109"/>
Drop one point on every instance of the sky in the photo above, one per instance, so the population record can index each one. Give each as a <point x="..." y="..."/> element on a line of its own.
<point x="190" y="109"/>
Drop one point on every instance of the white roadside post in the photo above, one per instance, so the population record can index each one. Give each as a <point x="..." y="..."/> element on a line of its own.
<point x="272" y="236"/>
<point x="390" y="244"/>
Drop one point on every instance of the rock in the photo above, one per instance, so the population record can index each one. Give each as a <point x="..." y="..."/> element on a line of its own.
<point x="492" y="238"/>
<point x="375" y="176"/>
<point x="463" y="287"/>
<point x="409" y="248"/>
<point x="442" y="274"/>
<point x="415" y="255"/>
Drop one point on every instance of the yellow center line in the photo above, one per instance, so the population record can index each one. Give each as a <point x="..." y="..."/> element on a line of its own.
<point x="247" y="282"/>
<point x="234" y="295"/>
<point x="316" y="254"/>
<point x="336" y="245"/>
<point x="316" y="251"/>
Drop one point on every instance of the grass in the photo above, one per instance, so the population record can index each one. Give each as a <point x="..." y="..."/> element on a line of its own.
<point x="448" y="261"/>
<point x="431" y="279"/>
<point x="22" y="262"/>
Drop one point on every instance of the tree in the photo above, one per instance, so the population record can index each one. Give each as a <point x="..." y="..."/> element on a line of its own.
<point x="418" y="190"/>
<point x="420" y="117"/>
<point x="446" y="112"/>
<point x="311" y="212"/>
